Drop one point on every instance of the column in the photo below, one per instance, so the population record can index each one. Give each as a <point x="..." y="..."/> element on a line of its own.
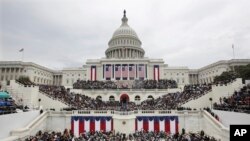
<point x="128" y="71"/>
<point x="103" y="71"/>
<point x="121" y="72"/>
<point x="126" y="53"/>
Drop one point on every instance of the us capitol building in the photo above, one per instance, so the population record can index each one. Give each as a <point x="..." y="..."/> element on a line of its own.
<point x="124" y="61"/>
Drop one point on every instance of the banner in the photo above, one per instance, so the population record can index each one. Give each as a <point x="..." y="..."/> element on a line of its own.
<point x="82" y="124"/>
<point x="93" y="73"/>
<point x="168" y="124"/>
<point x="156" y="72"/>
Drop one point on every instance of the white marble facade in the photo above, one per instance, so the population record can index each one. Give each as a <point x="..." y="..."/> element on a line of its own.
<point x="124" y="61"/>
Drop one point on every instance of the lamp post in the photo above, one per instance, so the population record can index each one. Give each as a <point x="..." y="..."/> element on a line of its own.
<point x="39" y="100"/>
<point x="211" y="99"/>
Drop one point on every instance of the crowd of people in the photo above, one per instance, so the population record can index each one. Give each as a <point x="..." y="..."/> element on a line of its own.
<point x="166" y="102"/>
<point x="25" y="81"/>
<point x="81" y="84"/>
<point x="112" y="136"/>
<point x="195" y="91"/>
<point x="78" y="101"/>
<point x="137" y="84"/>
<point x="153" y="84"/>
<point x="163" y="136"/>
<point x="238" y="102"/>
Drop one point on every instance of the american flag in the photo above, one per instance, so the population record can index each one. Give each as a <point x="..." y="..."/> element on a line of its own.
<point x="118" y="72"/>
<point x="125" y="70"/>
<point x="132" y="72"/>
<point x="21" y="50"/>
<point x="141" y="70"/>
<point x="108" y="70"/>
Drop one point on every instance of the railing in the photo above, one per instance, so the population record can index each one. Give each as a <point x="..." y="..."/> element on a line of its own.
<point x="22" y="133"/>
<point x="112" y="112"/>
<point x="214" y="120"/>
<point x="236" y="109"/>
<point x="130" y="89"/>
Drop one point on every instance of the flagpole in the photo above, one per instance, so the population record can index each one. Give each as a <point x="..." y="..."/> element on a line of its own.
<point x="22" y="55"/>
<point x="233" y="51"/>
<point x="233" y="56"/>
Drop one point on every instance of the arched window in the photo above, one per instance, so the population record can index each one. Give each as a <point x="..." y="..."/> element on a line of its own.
<point x="150" y="97"/>
<point x="98" y="97"/>
<point x="111" y="98"/>
<point x="137" y="98"/>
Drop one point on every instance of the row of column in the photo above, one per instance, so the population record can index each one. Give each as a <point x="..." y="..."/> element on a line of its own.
<point x="125" y="53"/>
<point x="121" y="78"/>
<point x="12" y="73"/>
<point x="57" y="80"/>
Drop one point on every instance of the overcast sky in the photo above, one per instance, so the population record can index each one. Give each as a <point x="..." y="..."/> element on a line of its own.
<point x="64" y="33"/>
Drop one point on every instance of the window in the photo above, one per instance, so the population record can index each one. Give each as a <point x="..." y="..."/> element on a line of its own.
<point x="98" y="97"/>
<point x="123" y="68"/>
<point x="140" y="68"/>
<point x="137" y="98"/>
<point x="116" y="68"/>
<point x="124" y="78"/>
<point x="150" y="97"/>
<point x="117" y="78"/>
<point x="111" y="98"/>
<point x="130" y="68"/>
<point x="107" y="68"/>
<point x="131" y="78"/>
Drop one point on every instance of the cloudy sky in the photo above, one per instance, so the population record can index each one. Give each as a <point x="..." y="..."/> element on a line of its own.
<point x="64" y="33"/>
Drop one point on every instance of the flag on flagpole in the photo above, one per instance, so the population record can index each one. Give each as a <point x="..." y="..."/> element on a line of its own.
<point x="21" y="50"/>
<point x="233" y="46"/>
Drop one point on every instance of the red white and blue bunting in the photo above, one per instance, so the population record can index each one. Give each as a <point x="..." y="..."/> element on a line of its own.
<point x="81" y="124"/>
<point x="169" y="124"/>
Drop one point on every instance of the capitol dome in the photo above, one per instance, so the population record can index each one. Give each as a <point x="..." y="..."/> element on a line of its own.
<point x="124" y="42"/>
<point x="125" y="30"/>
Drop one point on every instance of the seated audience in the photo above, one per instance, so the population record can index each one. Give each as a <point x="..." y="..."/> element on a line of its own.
<point x="238" y="102"/>
<point x="112" y="136"/>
